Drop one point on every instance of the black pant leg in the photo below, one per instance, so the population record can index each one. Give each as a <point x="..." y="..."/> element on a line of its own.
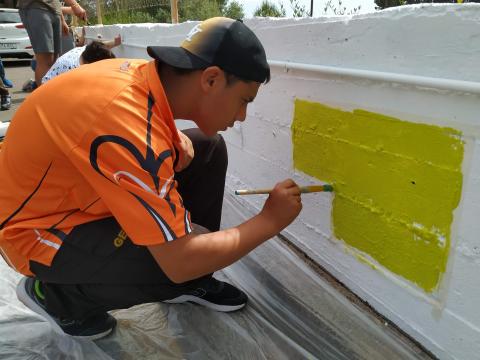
<point x="202" y="183"/>
<point x="84" y="300"/>
<point x="95" y="272"/>
<point x="91" y="273"/>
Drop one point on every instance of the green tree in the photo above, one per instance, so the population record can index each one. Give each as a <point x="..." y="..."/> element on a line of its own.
<point x="222" y="4"/>
<point x="127" y="17"/>
<point x="233" y="10"/>
<point x="198" y="10"/>
<point x="91" y="9"/>
<point x="126" y="11"/>
<point x="269" y="9"/>
<point x="163" y="15"/>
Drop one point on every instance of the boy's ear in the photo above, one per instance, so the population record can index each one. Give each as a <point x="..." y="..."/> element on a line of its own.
<point x="211" y="78"/>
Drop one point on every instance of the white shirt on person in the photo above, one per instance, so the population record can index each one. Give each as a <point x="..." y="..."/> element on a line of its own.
<point x="68" y="61"/>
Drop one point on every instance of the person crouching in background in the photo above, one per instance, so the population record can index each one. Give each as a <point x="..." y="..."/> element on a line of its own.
<point x="90" y="53"/>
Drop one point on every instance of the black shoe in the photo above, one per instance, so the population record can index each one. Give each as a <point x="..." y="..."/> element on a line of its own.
<point x="5" y="102"/>
<point x="92" y="328"/>
<point x="216" y="295"/>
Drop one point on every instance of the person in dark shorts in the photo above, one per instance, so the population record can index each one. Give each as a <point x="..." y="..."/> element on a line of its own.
<point x="44" y="22"/>
<point x="5" y="97"/>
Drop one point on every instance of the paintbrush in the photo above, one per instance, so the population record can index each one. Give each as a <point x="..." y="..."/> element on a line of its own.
<point x="303" y="190"/>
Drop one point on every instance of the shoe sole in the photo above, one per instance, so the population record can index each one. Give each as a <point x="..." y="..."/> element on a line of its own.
<point x="189" y="298"/>
<point x="32" y="305"/>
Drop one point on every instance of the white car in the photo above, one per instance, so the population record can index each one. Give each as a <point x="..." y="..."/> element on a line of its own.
<point x="14" y="40"/>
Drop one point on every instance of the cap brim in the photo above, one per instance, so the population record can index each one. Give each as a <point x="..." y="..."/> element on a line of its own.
<point x="176" y="57"/>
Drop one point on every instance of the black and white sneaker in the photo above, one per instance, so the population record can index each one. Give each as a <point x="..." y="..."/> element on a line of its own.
<point x="5" y="102"/>
<point x="92" y="328"/>
<point x="216" y="295"/>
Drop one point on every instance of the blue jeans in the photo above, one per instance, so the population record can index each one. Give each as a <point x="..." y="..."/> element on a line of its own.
<point x="4" y="81"/>
<point x="2" y="70"/>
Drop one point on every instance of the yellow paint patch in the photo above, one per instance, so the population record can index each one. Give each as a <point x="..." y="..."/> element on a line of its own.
<point x="396" y="184"/>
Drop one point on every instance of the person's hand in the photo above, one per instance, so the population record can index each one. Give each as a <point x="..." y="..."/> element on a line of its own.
<point x="185" y="152"/>
<point x="80" y="40"/>
<point x="283" y="204"/>
<point x="65" y="29"/>
<point x="79" y="12"/>
<point x="117" y="40"/>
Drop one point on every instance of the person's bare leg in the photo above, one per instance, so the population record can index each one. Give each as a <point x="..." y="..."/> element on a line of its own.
<point x="3" y="89"/>
<point x="44" y="63"/>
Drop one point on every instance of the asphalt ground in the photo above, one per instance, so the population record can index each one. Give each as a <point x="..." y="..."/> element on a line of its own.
<point x="18" y="71"/>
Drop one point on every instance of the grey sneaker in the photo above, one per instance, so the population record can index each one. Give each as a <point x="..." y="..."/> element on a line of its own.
<point x="29" y="85"/>
<point x="92" y="328"/>
<point x="5" y="102"/>
<point x="214" y="294"/>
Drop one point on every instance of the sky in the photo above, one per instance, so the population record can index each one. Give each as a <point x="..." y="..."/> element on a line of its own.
<point x="249" y="6"/>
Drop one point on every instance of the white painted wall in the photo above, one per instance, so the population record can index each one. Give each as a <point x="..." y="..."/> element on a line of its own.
<point x="440" y="42"/>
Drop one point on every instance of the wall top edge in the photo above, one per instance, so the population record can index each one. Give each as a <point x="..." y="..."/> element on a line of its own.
<point x="468" y="10"/>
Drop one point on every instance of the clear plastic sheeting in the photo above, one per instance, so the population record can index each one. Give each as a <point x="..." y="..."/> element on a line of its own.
<point x="292" y="314"/>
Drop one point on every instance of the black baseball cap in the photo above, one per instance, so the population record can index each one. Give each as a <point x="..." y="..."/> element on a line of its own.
<point x="223" y="42"/>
